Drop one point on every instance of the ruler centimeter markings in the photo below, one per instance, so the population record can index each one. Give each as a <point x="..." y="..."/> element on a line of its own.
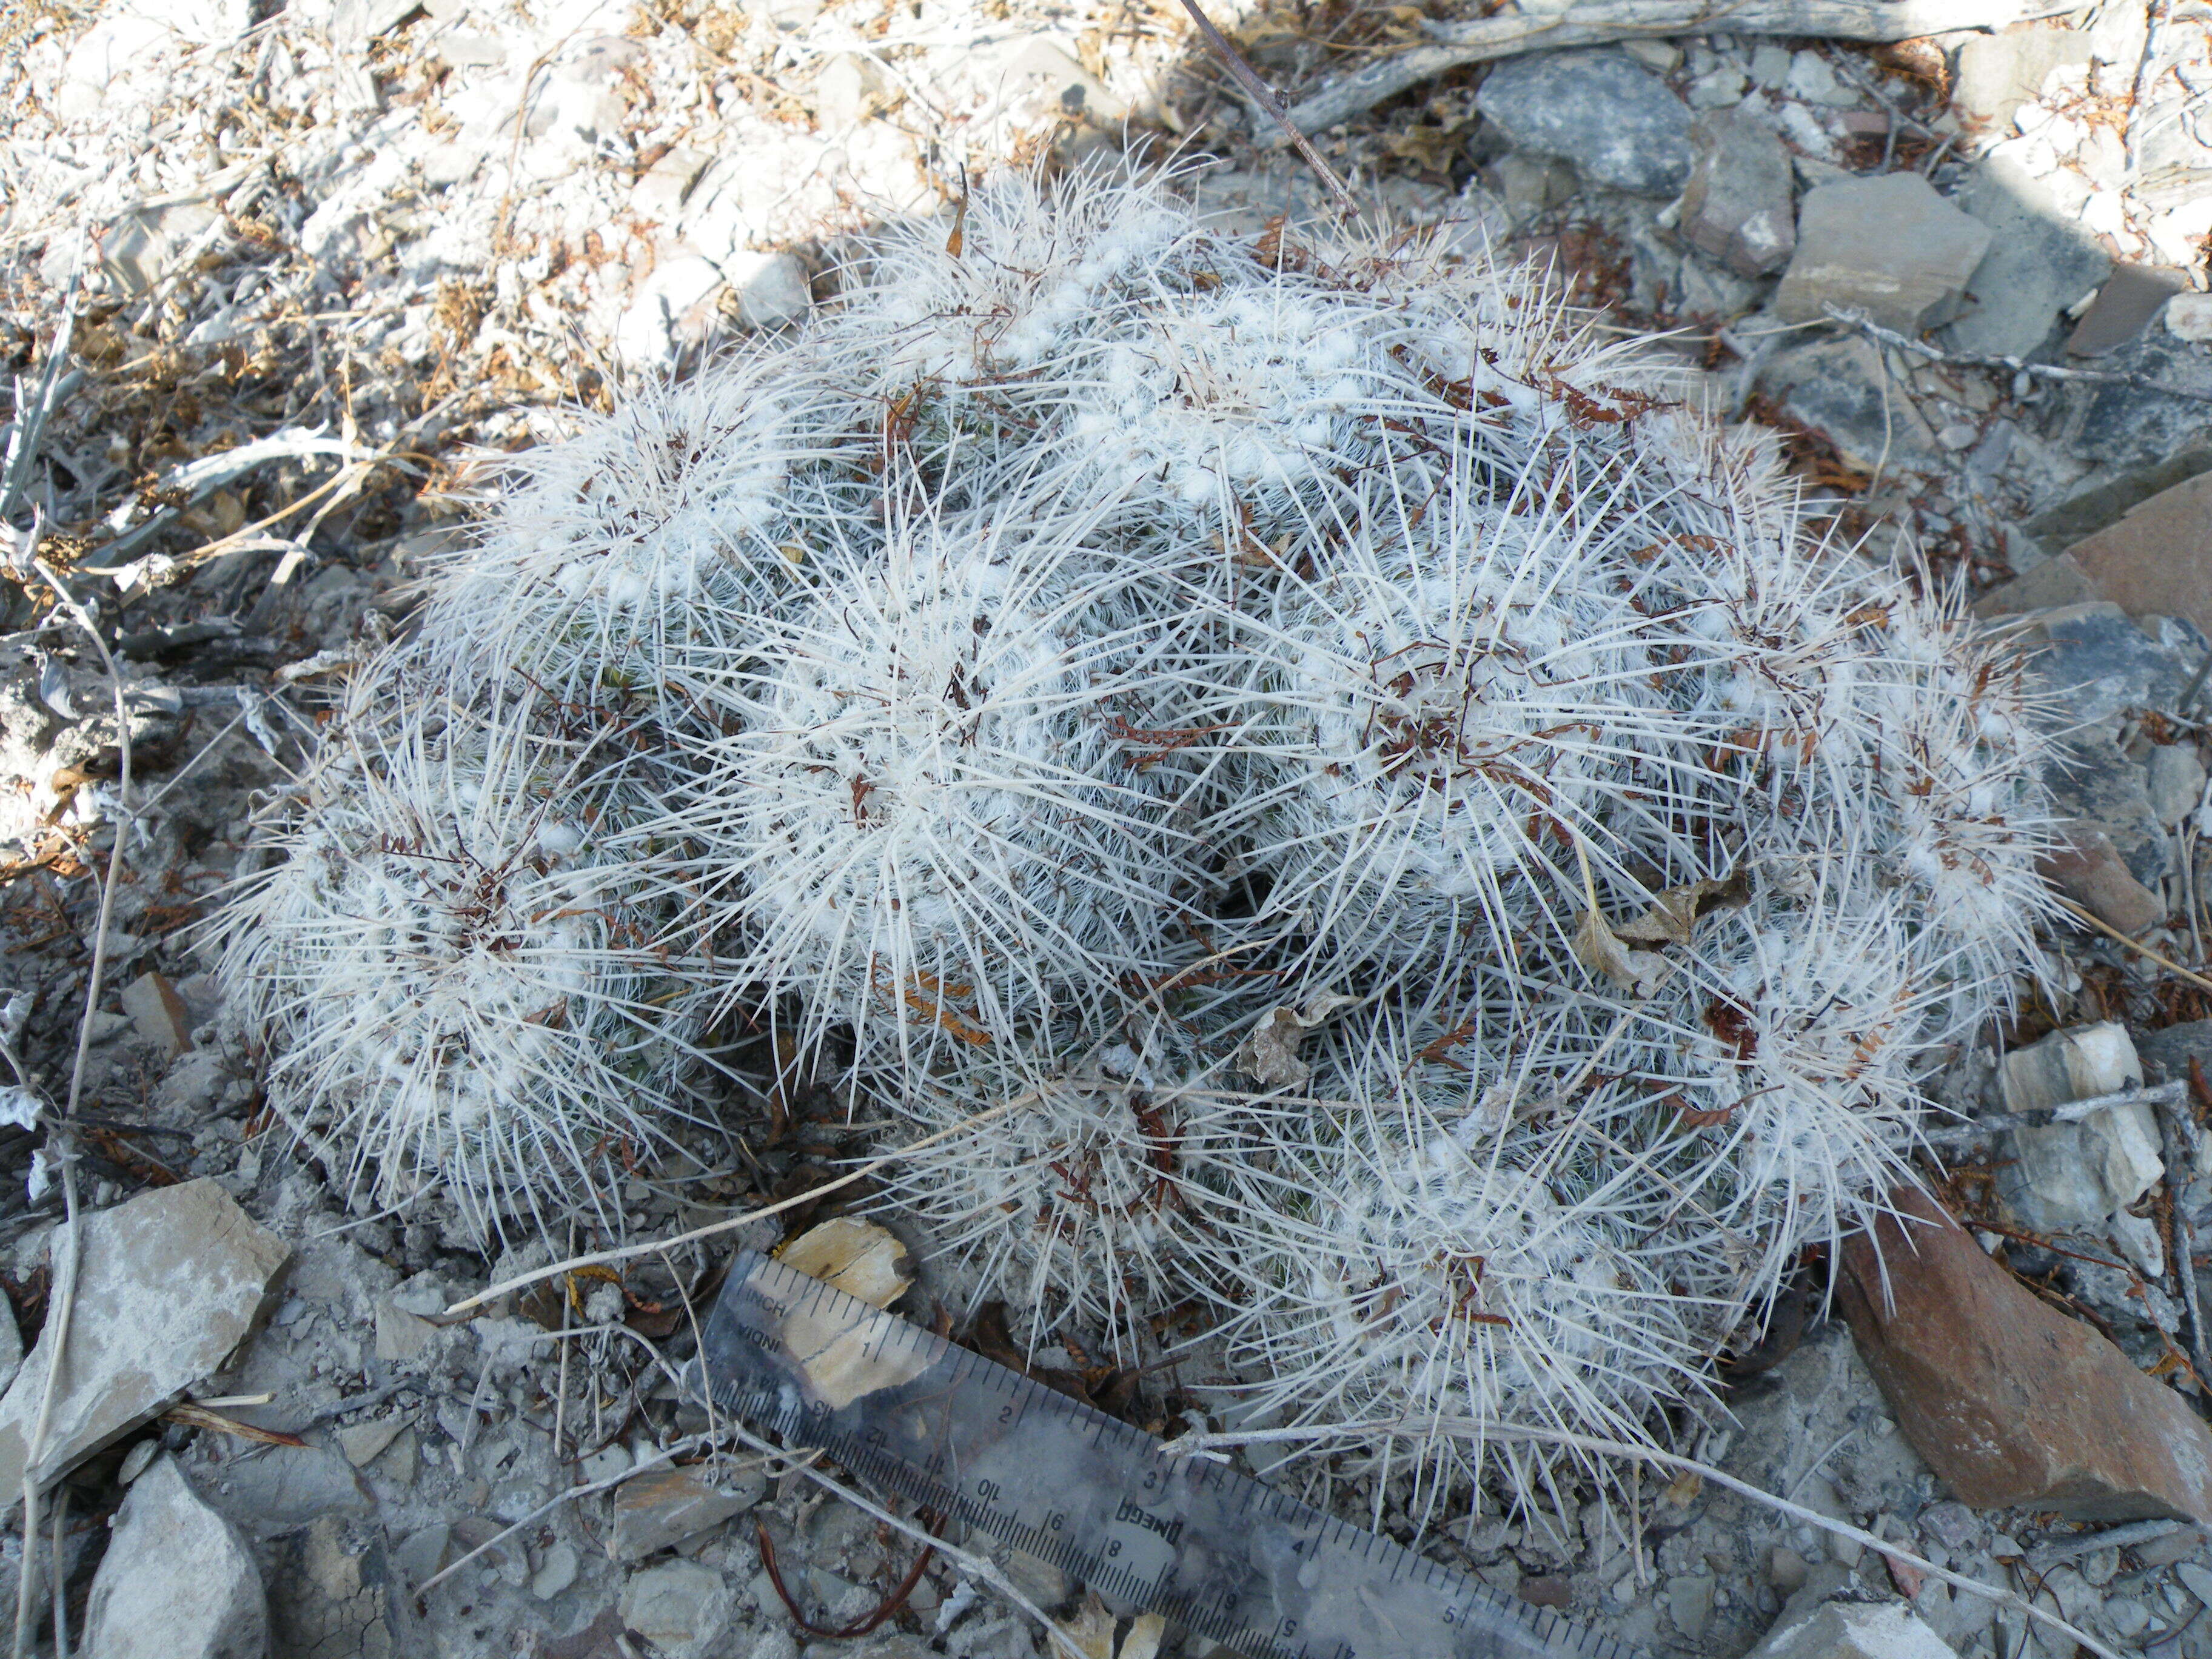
<point x="1216" y="1551"/>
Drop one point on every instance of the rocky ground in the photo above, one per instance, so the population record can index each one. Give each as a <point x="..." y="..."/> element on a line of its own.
<point x="329" y="258"/>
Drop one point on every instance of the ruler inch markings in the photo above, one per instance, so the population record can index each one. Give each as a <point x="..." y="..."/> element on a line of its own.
<point x="1220" y="1553"/>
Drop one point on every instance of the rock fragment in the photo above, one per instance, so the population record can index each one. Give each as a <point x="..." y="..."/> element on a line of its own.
<point x="1618" y="123"/>
<point x="1737" y="205"/>
<point x="1840" y="389"/>
<point x="158" y="1013"/>
<point x="2011" y="1402"/>
<point x="176" y="1581"/>
<point x="1998" y="73"/>
<point x="167" y="1285"/>
<point x="1889" y="246"/>
<point x="679" y="1606"/>
<point x="773" y="289"/>
<point x="1851" y="1630"/>
<point x="2125" y="305"/>
<point x="2082" y="1175"/>
<point x="2175" y="782"/>
<point x="662" y="1507"/>
<point x="2189" y="316"/>
<point x="2089" y="870"/>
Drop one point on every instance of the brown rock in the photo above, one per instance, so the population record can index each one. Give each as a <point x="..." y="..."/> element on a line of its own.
<point x="2157" y="560"/>
<point x="2055" y="582"/>
<point x="2089" y="870"/>
<point x="2131" y="297"/>
<point x="2010" y="1401"/>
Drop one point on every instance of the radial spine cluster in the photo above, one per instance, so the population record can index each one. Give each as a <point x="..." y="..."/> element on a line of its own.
<point x="1327" y="814"/>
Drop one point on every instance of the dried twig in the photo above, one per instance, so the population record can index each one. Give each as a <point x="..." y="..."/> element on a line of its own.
<point x="863" y="1625"/>
<point x="1853" y="318"/>
<point x="2177" y="1135"/>
<point x="2044" y="1556"/>
<point x="1603" y="21"/>
<point x="1264" y="95"/>
<point x="57" y="1333"/>
<point x="2069" y="1111"/>
<point x="2115" y="934"/>
<point x="976" y="1566"/>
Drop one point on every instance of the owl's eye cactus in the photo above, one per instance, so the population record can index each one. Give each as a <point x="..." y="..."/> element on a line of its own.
<point x="1485" y="1264"/>
<point x="1097" y="624"/>
<point x="453" y="972"/>
<point x="931" y="817"/>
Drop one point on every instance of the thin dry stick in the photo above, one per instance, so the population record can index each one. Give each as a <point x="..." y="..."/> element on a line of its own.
<point x="2178" y="1133"/>
<point x="60" y="1586"/>
<point x="1264" y="95"/>
<point x="1852" y="318"/>
<point x="1507" y="34"/>
<point x="1476" y="1427"/>
<point x="2114" y="933"/>
<point x="630" y="1251"/>
<point x="65" y="1306"/>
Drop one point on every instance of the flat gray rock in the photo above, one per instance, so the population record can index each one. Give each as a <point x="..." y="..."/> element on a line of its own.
<point x="167" y="1285"/>
<point x="1618" y="123"/>
<point x="1889" y="246"/>
<point x="176" y="1581"/>
<point x="2040" y="261"/>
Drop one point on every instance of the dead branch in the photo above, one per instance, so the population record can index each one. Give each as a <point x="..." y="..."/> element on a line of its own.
<point x="1481" y="39"/>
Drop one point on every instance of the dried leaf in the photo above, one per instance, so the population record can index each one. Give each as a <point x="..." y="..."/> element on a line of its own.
<point x="1671" y="921"/>
<point x="858" y="1257"/>
<point x="1089" y="1628"/>
<point x="1599" y="948"/>
<point x="1270" y="1055"/>
<point x="1433" y="147"/>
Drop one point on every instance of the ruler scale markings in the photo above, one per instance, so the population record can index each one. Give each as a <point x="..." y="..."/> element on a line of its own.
<point x="1221" y="1553"/>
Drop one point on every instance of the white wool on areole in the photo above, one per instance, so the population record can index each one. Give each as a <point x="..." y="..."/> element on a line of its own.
<point x="1229" y="391"/>
<point x="1070" y="1201"/>
<point x="1017" y="278"/>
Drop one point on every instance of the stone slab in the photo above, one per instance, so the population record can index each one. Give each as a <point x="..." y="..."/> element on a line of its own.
<point x="2157" y="559"/>
<point x="167" y="1285"/>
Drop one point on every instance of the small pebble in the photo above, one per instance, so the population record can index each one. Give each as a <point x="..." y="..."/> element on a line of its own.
<point x="1959" y="436"/>
<point x="555" y="1573"/>
<point x="2125" y="1618"/>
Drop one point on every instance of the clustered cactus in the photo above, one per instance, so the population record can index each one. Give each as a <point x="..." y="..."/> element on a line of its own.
<point x="1444" y="878"/>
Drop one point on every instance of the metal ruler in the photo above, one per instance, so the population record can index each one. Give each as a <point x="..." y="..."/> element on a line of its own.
<point x="1213" y="1550"/>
